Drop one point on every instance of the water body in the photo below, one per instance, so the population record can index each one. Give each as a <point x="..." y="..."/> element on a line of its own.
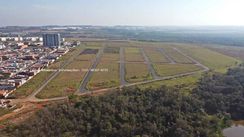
<point x="237" y="130"/>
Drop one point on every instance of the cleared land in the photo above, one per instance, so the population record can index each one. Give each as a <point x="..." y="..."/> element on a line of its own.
<point x="212" y="59"/>
<point x="66" y="83"/>
<point x="176" y="56"/>
<point x="133" y="55"/>
<point x="174" y="69"/>
<point x="107" y="74"/>
<point x="32" y="85"/>
<point x="184" y="83"/>
<point x="106" y="77"/>
<point x="155" y="55"/>
<point x="236" y="52"/>
<point x="136" y="72"/>
<point x="111" y="54"/>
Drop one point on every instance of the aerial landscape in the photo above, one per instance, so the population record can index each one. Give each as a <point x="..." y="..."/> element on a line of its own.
<point x="125" y="74"/>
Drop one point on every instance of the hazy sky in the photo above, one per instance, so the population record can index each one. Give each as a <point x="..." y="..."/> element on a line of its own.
<point x="122" y="12"/>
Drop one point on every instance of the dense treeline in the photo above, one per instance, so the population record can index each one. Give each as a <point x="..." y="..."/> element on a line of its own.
<point x="223" y="93"/>
<point x="163" y="112"/>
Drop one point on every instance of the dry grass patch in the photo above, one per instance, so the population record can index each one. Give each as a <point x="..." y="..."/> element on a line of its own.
<point x="136" y="72"/>
<point x="174" y="69"/>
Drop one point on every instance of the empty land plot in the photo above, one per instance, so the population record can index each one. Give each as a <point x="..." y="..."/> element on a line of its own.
<point x="66" y="83"/>
<point x="136" y="72"/>
<point x="32" y="85"/>
<point x="133" y="55"/>
<point x="111" y="54"/>
<point x="187" y="82"/>
<point x="176" y="56"/>
<point x="107" y="76"/>
<point x="114" y="50"/>
<point x="58" y="63"/>
<point x="236" y="52"/>
<point x="89" y="51"/>
<point x="155" y="55"/>
<point x="212" y="59"/>
<point x="174" y="69"/>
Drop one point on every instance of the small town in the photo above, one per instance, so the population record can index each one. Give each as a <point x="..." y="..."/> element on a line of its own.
<point x="24" y="57"/>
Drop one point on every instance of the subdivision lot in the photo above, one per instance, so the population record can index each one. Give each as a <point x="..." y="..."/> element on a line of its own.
<point x="58" y="63"/>
<point x="214" y="60"/>
<point x="111" y="54"/>
<point x="105" y="76"/>
<point x="66" y="83"/>
<point x="176" y="56"/>
<point x="236" y="52"/>
<point x="174" y="69"/>
<point x="31" y="85"/>
<point x="155" y="55"/>
<point x="133" y="55"/>
<point x="137" y="72"/>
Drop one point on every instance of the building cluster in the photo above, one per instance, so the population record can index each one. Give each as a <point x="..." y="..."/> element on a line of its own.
<point x="18" y="39"/>
<point x="18" y="64"/>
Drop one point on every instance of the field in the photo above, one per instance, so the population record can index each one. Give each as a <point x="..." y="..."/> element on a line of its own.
<point x="176" y="56"/>
<point x="155" y="55"/>
<point x="31" y="85"/>
<point x="187" y="82"/>
<point x="107" y="75"/>
<point x="68" y="82"/>
<point x="133" y="55"/>
<point x="236" y="52"/>
<point x="105" y="78"/>
<point x="113" y="68"/>
<point x="214" y="60"/>
<point x="137" y="72"/>
<point x="174" y="69"/>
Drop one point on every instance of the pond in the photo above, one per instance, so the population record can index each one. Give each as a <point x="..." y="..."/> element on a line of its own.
<point x="236" y="130"/>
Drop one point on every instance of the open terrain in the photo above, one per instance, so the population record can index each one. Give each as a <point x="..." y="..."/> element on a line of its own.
<point x="112" y="64"/>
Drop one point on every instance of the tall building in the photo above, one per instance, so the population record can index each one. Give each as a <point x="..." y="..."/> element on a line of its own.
<point x="51" y="40"/>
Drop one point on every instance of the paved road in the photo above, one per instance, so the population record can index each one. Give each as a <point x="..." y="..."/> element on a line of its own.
<point x="123" y="82"/>
<point x="88" y="75"/>
<point x="167" y="56"/>
<point x="149" y="65"/>
<point x="193" y="60"/>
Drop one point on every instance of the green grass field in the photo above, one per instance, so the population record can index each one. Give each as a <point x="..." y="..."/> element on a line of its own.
<point x="133" y="55"/>
<point x="66" y="83"/>
<point x="155" y="55"/>
<point x="106" y="79"/>
<point x="174" y="69"/>
<point x="214" y="60"/>
<point x="176" y="56"/>
<point x="31" y="85"/>
<point x="185" y="83"/>
<point x="136" y="72"/>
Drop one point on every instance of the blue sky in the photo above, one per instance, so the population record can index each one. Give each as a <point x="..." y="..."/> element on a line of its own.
<point x="122" y="12"/>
